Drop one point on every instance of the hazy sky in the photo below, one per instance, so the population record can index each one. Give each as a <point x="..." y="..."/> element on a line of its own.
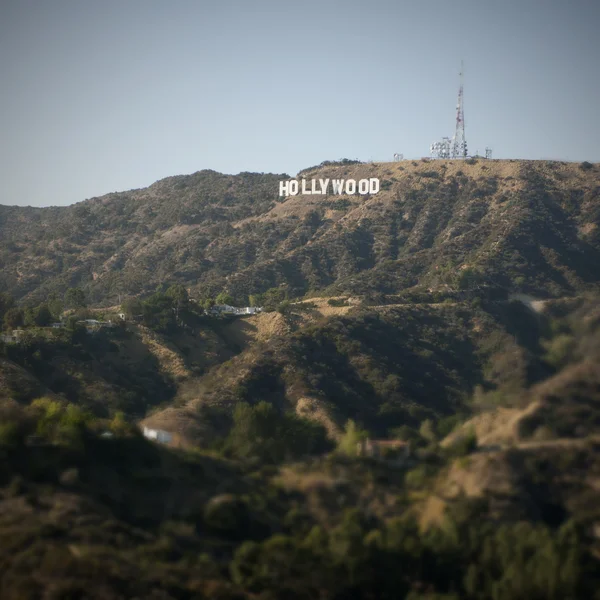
<point x="110" y="95"/>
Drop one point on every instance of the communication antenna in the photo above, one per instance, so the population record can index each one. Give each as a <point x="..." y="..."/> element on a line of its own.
<point x="459" y="142"/>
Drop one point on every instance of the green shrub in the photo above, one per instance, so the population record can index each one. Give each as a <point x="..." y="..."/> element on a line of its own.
<point x="465" y="444"/>
<point x="227" y="514"/>
<point x="353" y="434"/>
<point x="337" y="302"/>
<point x="9" y="434"/>
<point x="261" y="431"/>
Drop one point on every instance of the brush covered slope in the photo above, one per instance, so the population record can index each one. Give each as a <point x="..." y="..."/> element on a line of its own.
<point x="263" y="496"/>
<point x="531" y="225"/>
<point x="361" y="366"/>
<point x="89" y="516"/>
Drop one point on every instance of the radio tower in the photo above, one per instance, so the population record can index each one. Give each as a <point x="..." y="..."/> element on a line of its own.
<point x="459" y="142"/>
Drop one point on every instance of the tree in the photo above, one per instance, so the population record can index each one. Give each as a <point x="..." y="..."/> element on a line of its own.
<point x="262" y="431"/>
<point x="207" y="303"/>
<point x="283" y="307"/>
<point x="273" y="297"/>
<point x="75" y="298"/>
<point x="43" y="316"/>
<point x="352" y="435"/>
<point x="468" y="279"/>
<point x="6" y="303"/>
<point x="13" y="318"/>
<point x="119" y="424"/>
<point x="178" y="293"/>
<point x="56" y="306"/>
<point x="37" y="316"/>
<point x="158" y="313"/>
<point x="132" y="307"/>
<point x="224" y="298"/>
<point x="427" y="431"/>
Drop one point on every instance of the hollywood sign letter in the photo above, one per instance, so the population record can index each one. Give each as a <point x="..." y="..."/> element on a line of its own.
<point x="338" y="186"/>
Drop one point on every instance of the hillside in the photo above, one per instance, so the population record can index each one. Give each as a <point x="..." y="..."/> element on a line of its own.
<point x="359" y="364"/>
<point x="529" y="226"/>
<point x="457" y="310"/>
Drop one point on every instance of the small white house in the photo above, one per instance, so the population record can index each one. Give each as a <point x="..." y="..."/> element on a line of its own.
<point x="250" y="310"/>
<point x="164" y="437"/>
<point x="224" y="309"/>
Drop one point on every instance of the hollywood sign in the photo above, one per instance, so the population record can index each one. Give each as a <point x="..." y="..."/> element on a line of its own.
<point x="293" y="187"/>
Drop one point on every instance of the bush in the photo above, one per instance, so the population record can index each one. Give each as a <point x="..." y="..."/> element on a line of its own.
<point x="559" y="350"/>
<point x="227" y="514"/>
<point x="261" y="431"/>
<point x="464" y="445"/>
<point x="586" y="166"/>
<point x="284" y="307"/>
<point x="337" y="302"/>
<point x="9" y="434"/>
<point x="352" y="436"/>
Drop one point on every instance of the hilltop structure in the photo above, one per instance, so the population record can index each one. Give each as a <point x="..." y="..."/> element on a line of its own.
<point x="457" y="146"/>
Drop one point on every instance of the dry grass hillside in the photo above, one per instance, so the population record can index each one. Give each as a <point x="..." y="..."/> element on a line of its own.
<point x="334" y="363"/>
<point x="450" y="311"/>
<point x="431" y="221"/>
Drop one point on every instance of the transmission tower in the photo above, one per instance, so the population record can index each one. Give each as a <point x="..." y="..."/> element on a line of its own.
<point x="459" y="142"/>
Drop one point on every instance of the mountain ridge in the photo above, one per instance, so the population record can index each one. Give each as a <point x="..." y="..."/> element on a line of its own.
<point x="213" y="232"/>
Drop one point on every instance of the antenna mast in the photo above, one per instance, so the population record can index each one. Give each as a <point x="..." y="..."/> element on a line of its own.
<point x="459" y="142"/>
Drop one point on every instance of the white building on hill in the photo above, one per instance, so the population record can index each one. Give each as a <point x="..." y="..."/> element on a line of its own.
<point x="225" y="309"/>
<point x="164" y="437"/>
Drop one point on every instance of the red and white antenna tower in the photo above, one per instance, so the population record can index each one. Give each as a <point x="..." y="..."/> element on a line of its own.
<point x="459" y="142"/>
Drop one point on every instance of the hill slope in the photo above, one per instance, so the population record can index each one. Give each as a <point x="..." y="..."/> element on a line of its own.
<point x="527" y="225"/>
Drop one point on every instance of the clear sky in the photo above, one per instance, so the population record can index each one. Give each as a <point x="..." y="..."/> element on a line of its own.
<point x="110" y="95"/>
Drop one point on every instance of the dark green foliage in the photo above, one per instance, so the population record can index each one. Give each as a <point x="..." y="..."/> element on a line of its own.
<point x="142" y="521"/>
<point x="337" y="302"/>
<point x="261" y="431"/>
<point x="158" y="313"/>
<point x="55" y="305"/>
<point x="90" y="370"/>
<point x="270" y="299"/>
<point x="284" y="307"/>
<point x="39" y="316"/>
<point x="227" y="515"/>
<point x="224" y="298"/>
<point x="132" y="307"/>
<point x="13" y="318"/>
<point x="464" y="560"/>
<point x="466" y="444"/>
<point x="75" y="298"/>
<point x="6" y="303"/>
